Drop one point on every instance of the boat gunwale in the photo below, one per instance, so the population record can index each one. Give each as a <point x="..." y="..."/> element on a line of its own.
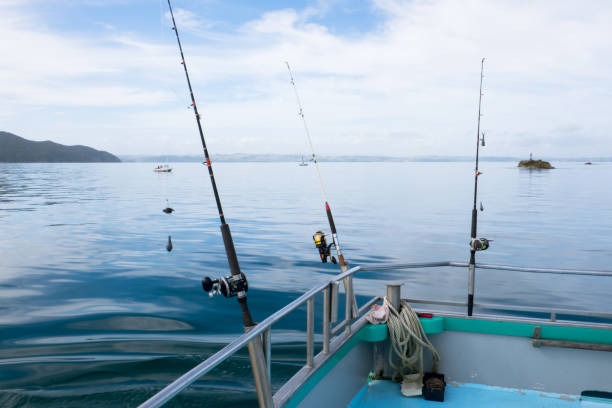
<point x="292" y="393"/>
<point x="172" y="389"/>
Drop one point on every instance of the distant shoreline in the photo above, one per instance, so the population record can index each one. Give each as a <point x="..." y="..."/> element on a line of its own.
<point x="287" y="158"/>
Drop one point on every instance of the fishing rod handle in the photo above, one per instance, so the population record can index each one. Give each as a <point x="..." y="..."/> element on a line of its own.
<point x="247" y="320"/>
<point x="230" y="250"/>
<point x="330" y="218"/>
<point x="232" y="259"/>
<point x="332" y="226"/>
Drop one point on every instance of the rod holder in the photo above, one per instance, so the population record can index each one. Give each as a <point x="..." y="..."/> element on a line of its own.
<point x="326" y="317"/>
<point x="260" y="371"/>
<point x="471" y="279"/>
<point x="335" y="290"/>
<point x="394" y="294"/>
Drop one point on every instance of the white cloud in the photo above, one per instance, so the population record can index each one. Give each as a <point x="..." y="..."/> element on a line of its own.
<point x="107" y="26"/>
<point x="408" y="87"/>
<point x="187" y="20"/>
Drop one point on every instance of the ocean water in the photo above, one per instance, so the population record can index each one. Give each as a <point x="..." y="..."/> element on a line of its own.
<point x="95" y="312"/>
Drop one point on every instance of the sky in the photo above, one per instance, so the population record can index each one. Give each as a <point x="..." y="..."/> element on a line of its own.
<point x="376" y="77"/>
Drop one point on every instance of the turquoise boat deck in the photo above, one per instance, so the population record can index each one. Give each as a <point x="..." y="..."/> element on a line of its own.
<point x="385" y="394"/>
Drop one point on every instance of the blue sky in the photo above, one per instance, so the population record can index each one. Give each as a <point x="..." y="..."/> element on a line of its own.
<point x="388" y="77"/>
<point x="143" y="16"/>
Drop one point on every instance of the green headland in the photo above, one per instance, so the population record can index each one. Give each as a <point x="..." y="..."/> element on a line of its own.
<point x="15" y="149"/>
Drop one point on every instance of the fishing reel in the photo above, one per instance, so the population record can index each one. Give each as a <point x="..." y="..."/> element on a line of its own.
<point x="480" y="244"/>
<point x="227" y="286"/>
<point x="323" y="247"/>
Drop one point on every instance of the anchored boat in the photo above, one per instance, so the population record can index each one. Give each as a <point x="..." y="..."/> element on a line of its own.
<point x="163" y="168"/>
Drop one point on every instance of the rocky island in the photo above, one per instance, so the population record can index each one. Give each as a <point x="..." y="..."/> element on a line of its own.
<point x="535" y="164"/>
<point x="15" y="149"/>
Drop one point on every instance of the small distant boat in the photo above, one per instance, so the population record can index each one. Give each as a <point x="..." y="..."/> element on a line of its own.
<point x="303" y="163"/>
<point x="163" y="168"/>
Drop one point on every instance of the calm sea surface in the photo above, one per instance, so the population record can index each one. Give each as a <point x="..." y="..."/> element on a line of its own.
<point x="95" y="312"/>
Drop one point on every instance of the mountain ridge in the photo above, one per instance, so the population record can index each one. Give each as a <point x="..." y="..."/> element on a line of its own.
<point x="16" y="149"/>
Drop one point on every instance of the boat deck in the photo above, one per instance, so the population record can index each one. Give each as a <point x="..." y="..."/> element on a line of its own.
<point x="382" y="393"/>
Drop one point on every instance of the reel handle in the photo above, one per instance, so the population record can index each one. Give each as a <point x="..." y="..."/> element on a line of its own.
<point x="211" y="286"/>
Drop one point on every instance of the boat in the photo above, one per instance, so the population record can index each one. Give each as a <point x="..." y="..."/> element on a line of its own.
<point x="163" y="168"/>
<point x="303" y="163"/>
<point x="502" y="355"/>
<point x="483" y="354"/>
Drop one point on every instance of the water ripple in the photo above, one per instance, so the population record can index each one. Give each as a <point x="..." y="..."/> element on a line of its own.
<point x="95" y="311"/>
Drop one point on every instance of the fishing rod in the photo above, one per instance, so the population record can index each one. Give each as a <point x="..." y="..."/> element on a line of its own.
<point x="235" y="284"/>
<point x="319" y="236"/>
<point x="476" y="244"/>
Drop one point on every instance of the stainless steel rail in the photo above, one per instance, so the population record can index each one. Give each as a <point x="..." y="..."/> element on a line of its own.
<point x="543" y="270"/>
<point x="329" y="301"/>
<point x="411" y="265"/>
<point x="555" y="271"/>
<point x="192" y="375"/>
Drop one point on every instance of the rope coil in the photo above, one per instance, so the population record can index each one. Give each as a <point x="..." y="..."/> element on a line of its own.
<point x="407" y="341"/>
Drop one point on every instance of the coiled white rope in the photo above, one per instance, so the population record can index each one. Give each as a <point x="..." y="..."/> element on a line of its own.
<point x="407" y="341"/>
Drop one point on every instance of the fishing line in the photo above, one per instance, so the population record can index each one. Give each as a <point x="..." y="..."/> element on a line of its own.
<point x="167" y="210"/>
<point x="312" y="150"/>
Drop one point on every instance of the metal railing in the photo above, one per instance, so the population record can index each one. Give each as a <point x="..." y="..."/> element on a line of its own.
<point x="336" y="334"/>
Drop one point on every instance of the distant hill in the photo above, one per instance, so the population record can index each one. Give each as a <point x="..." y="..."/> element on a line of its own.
<point x="15" y="149"/>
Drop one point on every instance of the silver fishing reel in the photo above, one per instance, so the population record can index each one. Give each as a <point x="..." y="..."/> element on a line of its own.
<point x="227" y="286"/>
<point x="480" y="244"/>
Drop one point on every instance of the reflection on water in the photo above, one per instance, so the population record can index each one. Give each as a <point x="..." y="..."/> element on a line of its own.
<point x="94" y="310"/>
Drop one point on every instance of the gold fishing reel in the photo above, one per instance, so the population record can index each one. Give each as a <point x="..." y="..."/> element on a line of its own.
<point x="324" y="249"/>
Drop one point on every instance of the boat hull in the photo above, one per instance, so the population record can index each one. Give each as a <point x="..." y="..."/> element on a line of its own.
<point x="475" y="353"/>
